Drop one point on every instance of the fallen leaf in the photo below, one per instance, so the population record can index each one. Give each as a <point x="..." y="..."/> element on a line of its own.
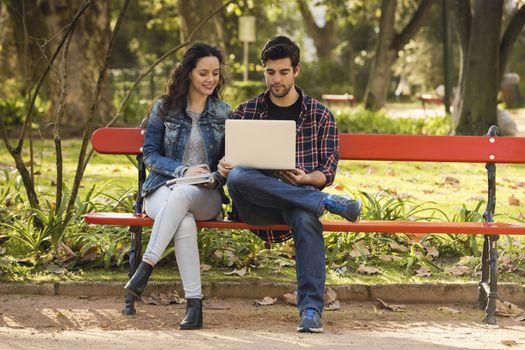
<point x="398" y="247"/>
<point x="370" y="170"/>
<point x="458" y="270"/>
<point x="368" y="270"/>
<point x="172" y="297"/>
<point x="513" y="200"/>
<point x="391" y="172"/>
<point x="240" y="272"/>
<point x="329" y="295"/>
<point x="505" y="264"/>
<point x="448" y="310"/>
<point x="507" y="309"/>
<point x="520" y="184"/>
<point x="339" y="187"/>
<point x="265" y="301"/>
<point x="291" y="298"/>
<point x="428" y="191"/>
<point x="391" y="307"/>
<point x="423" y="272"/>
<point x="387" y="258"/>
<point x="359" y="249"/>
<point x="476" y="198"/>
<point x="4" y="239"/>
<point x="333" y="306"/>
<point x="411" y="179"/>
<point x="205" y="267"/>
<point x="432" y="251"/>
<point x="450" y="180"/>
<point x="90" y="255"/>
<point x="509" y="342"/>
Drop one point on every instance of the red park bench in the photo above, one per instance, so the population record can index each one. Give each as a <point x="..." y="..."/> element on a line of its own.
<point x="430" y="99"/>
<point x="488" y="150"/>
<point x="339" y="100"/>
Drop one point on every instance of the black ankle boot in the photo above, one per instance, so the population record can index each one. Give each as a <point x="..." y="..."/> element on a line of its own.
<point x="138" y="282"/>
<point x="193" y="318"/>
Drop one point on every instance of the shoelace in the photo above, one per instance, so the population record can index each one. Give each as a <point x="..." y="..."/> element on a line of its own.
<point x="310" y="314"/>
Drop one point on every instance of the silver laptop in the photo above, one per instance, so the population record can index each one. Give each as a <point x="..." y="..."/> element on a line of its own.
<point x="261" y="144"/>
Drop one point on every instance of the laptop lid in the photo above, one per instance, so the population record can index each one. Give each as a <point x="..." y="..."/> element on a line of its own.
<point x="261" y="144"/>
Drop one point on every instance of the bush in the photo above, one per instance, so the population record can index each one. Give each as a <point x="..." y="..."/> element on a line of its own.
<point x="370" y="122"/>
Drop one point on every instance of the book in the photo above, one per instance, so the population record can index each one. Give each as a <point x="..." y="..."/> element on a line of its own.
<point x="191" y="180"/>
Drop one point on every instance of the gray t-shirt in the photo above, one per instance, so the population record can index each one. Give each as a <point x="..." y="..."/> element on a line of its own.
<point x="195" y="152"/>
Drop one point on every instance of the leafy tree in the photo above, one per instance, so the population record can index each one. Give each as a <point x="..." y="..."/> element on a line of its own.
<point x="485" y="45"/>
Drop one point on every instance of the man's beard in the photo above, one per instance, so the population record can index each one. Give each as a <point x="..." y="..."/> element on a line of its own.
<point x="284" y="91"/>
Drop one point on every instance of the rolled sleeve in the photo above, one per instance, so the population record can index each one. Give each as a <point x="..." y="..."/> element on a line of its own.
<point x="328" y="145"/>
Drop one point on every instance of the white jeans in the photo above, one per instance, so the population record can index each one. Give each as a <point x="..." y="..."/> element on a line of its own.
<point x="175" y="211"/>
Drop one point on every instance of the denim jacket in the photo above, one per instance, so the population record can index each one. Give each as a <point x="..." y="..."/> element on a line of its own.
<point x="166" y="139"/>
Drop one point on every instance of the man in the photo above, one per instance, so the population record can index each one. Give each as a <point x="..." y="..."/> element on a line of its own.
<point x="293" y="197"/>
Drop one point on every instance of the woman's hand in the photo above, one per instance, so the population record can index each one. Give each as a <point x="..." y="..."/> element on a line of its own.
<point x="201" y="169"/>
<point x="198" y="169"/>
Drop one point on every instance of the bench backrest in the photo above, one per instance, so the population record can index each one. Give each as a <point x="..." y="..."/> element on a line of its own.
<point x="471" y="149"/>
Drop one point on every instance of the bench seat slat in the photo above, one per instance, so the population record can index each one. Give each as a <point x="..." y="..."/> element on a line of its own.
<point x="125" y="219"/>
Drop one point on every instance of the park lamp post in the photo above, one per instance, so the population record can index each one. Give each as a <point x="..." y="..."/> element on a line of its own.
<point x="246" y="35"/>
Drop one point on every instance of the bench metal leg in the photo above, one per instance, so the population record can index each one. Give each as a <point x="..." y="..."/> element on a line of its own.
<point x="490" y="311"/>
<point x="134" y="260"/>
<point x="485" y="270"/>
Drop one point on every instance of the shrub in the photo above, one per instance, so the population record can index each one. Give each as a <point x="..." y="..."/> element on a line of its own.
<point x="370" y="122"/>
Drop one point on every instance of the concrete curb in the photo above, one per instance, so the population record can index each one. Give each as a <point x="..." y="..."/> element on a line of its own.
<point x="396" y="293"/>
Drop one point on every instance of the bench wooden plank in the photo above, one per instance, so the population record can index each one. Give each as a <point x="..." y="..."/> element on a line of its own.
<point x="127" y="219"/>
<point x="469" y="149"/>
<point x="118" y="140"/>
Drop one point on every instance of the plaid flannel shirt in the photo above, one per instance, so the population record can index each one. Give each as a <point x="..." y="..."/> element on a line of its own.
<point x="317" y="142"/>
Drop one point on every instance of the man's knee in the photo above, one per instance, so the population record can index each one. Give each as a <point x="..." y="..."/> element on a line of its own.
<point x="237" y="178"/>
<point x="304" y="220"/>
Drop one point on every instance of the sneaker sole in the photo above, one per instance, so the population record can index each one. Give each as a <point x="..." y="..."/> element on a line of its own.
<point x="309" y="330"/>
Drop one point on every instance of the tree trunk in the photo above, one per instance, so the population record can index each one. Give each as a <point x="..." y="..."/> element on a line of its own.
<point x="325" y="38"/>
<point x="192" y="12"/>
<point x="46" y="19"/>
<point x="389" y="43"/>
<point x="478" y="89"/>
<point x="380" y="72"/>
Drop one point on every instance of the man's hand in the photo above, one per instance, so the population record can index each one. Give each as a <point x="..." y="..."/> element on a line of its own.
<point x="294" y="177"/>
<point x="300" y="177"/>
<point x="224" y="167"/>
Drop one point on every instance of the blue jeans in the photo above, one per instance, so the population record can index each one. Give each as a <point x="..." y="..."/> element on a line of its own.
<point x="262" y="199"/>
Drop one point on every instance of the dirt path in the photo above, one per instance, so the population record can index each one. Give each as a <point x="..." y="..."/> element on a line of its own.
<point x="59" y="322"/>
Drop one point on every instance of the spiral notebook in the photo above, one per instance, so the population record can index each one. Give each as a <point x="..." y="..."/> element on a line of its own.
<point x="191" y="180"/>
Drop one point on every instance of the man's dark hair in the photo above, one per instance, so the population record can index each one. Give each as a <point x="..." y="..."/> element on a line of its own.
<point x="281" y="47"/>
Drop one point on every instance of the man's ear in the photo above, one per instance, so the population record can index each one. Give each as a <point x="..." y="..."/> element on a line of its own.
<point x="296" y="70"/>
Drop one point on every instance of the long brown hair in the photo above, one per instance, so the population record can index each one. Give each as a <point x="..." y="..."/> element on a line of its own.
<point x="179" y="82"/>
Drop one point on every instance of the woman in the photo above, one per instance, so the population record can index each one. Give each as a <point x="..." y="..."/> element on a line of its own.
<point x="184" y="137"/>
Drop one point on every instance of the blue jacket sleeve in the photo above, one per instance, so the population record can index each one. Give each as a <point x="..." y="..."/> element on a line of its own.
<point x="153" y="150"/>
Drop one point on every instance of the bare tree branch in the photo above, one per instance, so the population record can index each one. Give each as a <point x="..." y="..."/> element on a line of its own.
<point x="83" y="7"/>
<point x="461" y="18"/>
<point x="148" y="70"/>
<point x="510" y="36"/>
<point x="56" y="130"/>
<point x="87" y="126"/>
<point x="418" y="19"/>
